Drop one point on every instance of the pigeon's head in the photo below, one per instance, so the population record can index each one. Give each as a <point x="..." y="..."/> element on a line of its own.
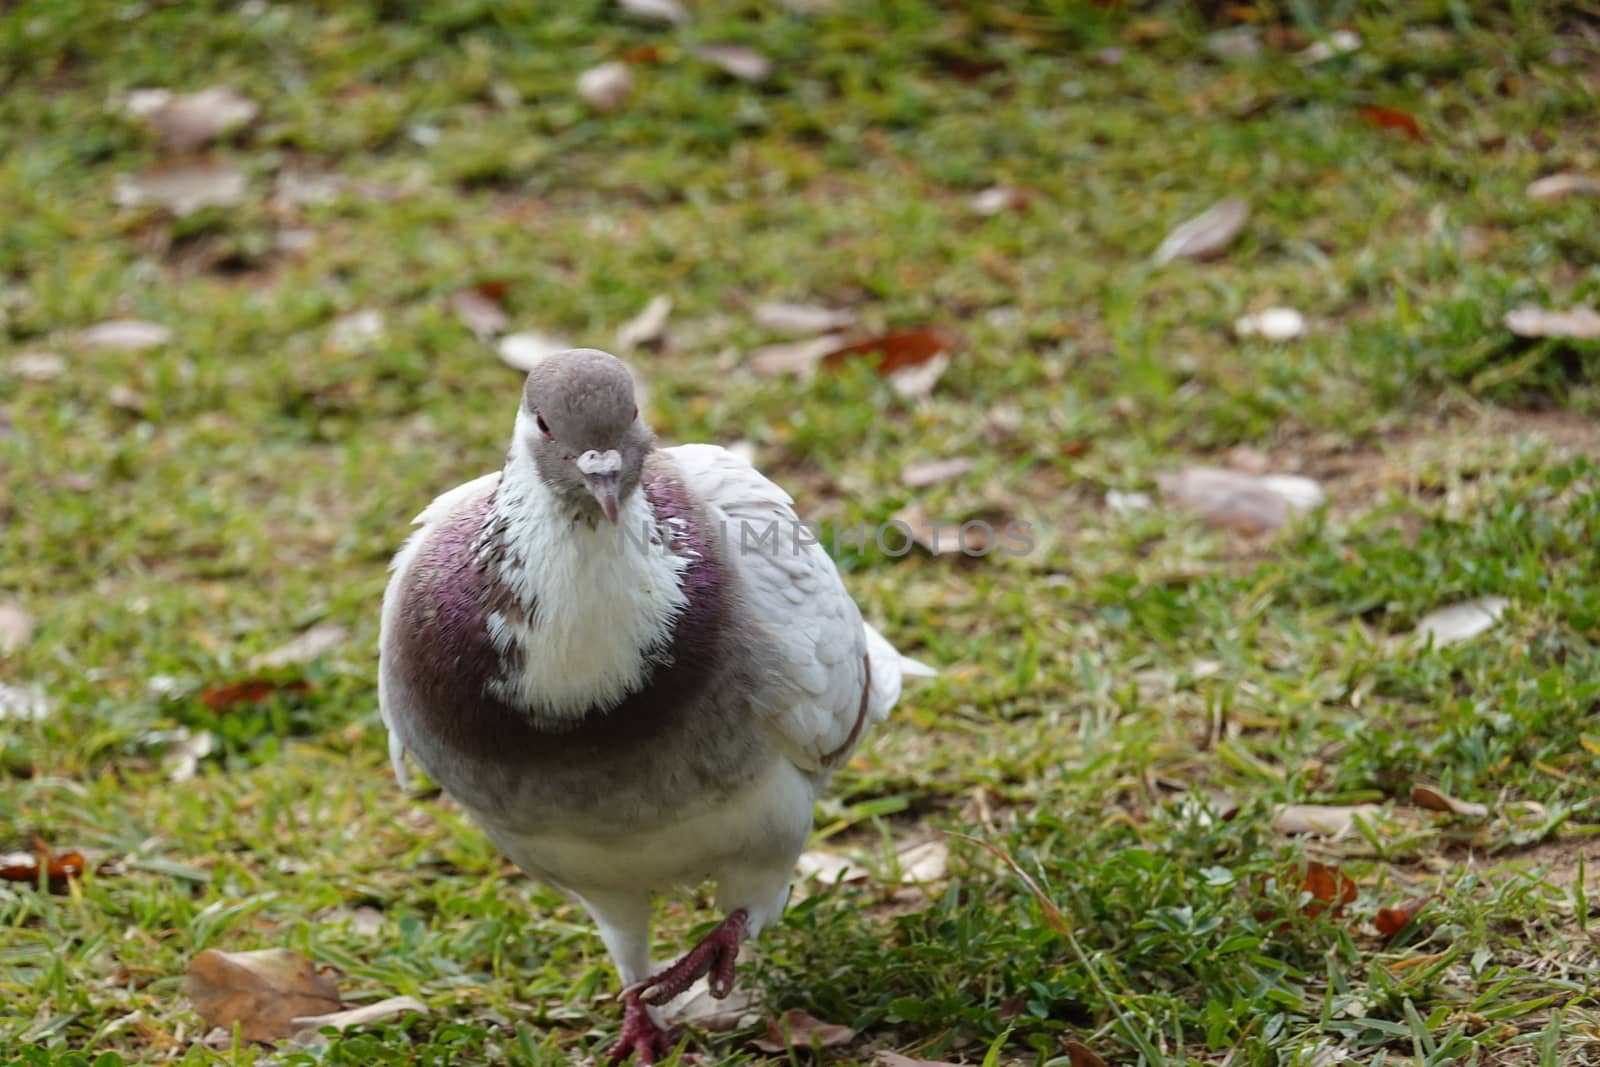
<point x="581" y="425"/>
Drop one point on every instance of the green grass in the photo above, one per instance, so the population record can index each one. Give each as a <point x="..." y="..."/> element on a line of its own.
<point x="1120" y="711"/>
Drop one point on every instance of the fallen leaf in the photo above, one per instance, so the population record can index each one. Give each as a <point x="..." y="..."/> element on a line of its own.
<point x="184" y="755"/>
<point x="480" y="313"/>
<point x="796" y="1028"/>
<point x="885" y="1058"/>
<point x="607" y="87"/>
<point x="1119" y="502"/>
<point x="525" y="350"/>
<point x="996" y="199"/>
<point x="1081" y="1055"/>
<point x="641" y="54"/>
<point x="696" y="1007"/>
<point x="130" y="334"/>
<point x="357" y="330"/>
<point x="1560" y="186"/>
<point x="57" y="867"/>
<point x="669" y="11"/>
<point x="37" y="366"/>
<point x="1236" y="44"/>
<point x="249" y="691"/>
<point x="1337" y="43"/>
<point x="829" y="868"/>
<point x="16" y="627"/>
<point x="648" y="327"/>
<point x="917" y="382"/>
<point x="182" y="188"/>
<point x="972" y="538"/>
<point x="905" y="348"/>
<point x="1461" y="622"/>
<point x="321" y="638"/>
<point x="1272" y="324"/>
<point x="1578" y="324"/>
<point x="1330" y="888"/>
<point x="1327" y="820"/>
<point x="934" y="472"/>
<point x="801" y="320"/>
<point x="737" y="61"/>
<point x="1247" y="503"/>
<point x="308" y="1027"/>
<point x="264" y="992"/>
<point x="293" y="188"/>
<point x="799" y="358"/>
<point x="1389" y="118"/>
<point x="1390" y="921"/>
<point x="927" y="862"/>
<point x="1207" y="234"/>
<point x="126" y="397"/>
<point x="1425" y="796"/>
<point x="186" y="121"/>
<point x="23" y="702"/>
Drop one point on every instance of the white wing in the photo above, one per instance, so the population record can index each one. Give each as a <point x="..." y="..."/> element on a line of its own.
<point x="816" y="688"/>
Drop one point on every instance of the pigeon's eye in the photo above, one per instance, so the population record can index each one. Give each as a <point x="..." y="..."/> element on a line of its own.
<point x="544" y="427"/>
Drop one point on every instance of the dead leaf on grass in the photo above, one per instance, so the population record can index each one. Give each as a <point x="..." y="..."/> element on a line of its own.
<point x="800" y="1030"/>
<point x="182" y="188"/>
<point x="737" y="61"/>
<point x="37" y="366"/>
<point x="184" y="755"/>
<point x="16" y="627"/>
<point x="1330" y="888"/>
<point x="186" y="121"/>
<point x="1337" y="43"/>
<point x="974" y="537"/>
<point x="525" y="350"/>
<point x="799" y="358"/>
<point x="828" y="868"/>
<point x="264" y="991"/>
<point x="897" y="351"/>
<point x="248" y="691"/>
<point x="322" y="638"/>
<point x="1328" y="820"/>
<point x="935" y="472"/>
<point x="1426" y="796"/>
<point x="357" y="330"/>
<point x="1390" y="921"/>
<point x="648" y="327"/>
<point x="916" y="383"/>
<point x="22" y="702"/>
<point x="480" y="313"/>
<point x="1271" y="324"/>
<point x="1207" y="234"/>
<point x="668" y="11"/>
<point x="696" y="1007"/>
<point x="1081" y="1055"/>
<point x="1388" y="118"/>
<point x="1461" y="622"/>
<point x="1246" y="503"/>
<point x="57" y="867"/>
<point x="1561" y="186"/>
<point x="128" y="334"/>
<point x="1577" y="324"/>
<point x="801" y="320"/>
<point x="926" y="862"/>
<point x="606" y="88"/>
<point x="998" y="198"/>
<point x="885" y="1058"/>
<point x="308" y="1027"/>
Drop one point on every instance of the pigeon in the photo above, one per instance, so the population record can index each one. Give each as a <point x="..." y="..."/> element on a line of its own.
<point x="634" y="668"/>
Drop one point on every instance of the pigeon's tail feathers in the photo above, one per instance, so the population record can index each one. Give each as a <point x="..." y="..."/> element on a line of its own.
<point x="889" y="670"/>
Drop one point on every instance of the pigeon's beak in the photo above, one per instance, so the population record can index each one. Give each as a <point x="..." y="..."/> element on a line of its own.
<point x="602" y="473"/>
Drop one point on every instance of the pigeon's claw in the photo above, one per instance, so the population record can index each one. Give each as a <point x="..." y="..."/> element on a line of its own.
<point x="640" y="1034"/>
<point x="713" y="957"/>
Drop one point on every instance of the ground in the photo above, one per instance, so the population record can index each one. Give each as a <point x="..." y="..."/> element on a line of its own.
<point x="1121" y="712"/>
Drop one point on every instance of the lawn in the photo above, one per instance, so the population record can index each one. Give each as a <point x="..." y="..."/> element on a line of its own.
<point x="1192" y="787"/>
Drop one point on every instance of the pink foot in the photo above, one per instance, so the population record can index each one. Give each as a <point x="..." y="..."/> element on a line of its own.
<point x="713" y="956"/>
<point x="640" y="1034"/>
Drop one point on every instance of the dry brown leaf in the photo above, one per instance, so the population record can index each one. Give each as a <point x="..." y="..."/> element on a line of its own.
<point x="16" y="627"/>
<point x="885" y="1058"/>
<point x="57" y="867"/>
<point x="182" y="188"/>
<point x="696" y="1007"/>
<point x="799" y="358"/>
<point x="801" y="320"/>
<point x="1246" y="503"/>
<point x="1328" y="820"/>
<point x="1461" y="622"/>
<point x="129" y="334"/>
<point x="1388" y="118"/>
<point x="934" y="472"/>
<point x="1578" y="324"/>
<point x="1561" y="186"/>
<point x="249" y="691"/>
<point x="1426" y="796"/>
<point x="648" y="327"/>
<point x="899" y="350"/>
<point x="1390" y="921"/>
<point x="943" y="538"/>
<point x="606" y="88"/>
<point x="1330" y="888"/>
<point x="927" y="862"/>
<point x="737" y="61"/>
<point x="800" y="1030"/>
<point x="1207" y="234"/>
<point x="319" y="639"/>
<point x="37" y="366"/>
<point x="307" y="1027"/>
<point x="1082" y="1055"/>
<point x="669" y="11"/>
<point x="265" y="991"/>
<point x="186" y="121"/>
<point x="480" y="313"/>
<point x="524" y="351"/>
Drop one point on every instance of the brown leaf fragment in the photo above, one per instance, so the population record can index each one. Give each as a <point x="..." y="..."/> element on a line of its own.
<point x="1561" y="186"/>
<point x="16" y="627"/>
<point x="899" y="350"/>
<point x="998" y="198"/>
<point x="265" y="992"/>
<point x="737" y="61"/>
<point x="1082" y="1055"/>
<point x="1327" y="820"/>
<point x="248" y="691"/>
<point x="182" y="188"/>
<point x="799" y="358"/>
<point x="797" y="1029"/>
<point x="1207" y="234"/>
<point x="801" y="320"/>
<point x="1455" y="623"/>
<point x="925" y="862"/>
<point x="648" y="327"/>
<point x="974" y="537"/>
<point x="1426" y="796"/>
<point x="1388" y="118"/>
<point x="885" y="1058"/>
<point x="37" y="366"/>
<point x="318" y="640"/>
<point x="1578" y="324"/>
<point x="57" y="867"/>
<point x="480" y="313"/>
<point x="186" y="121"/>
<point x="525" y="350"/>
<point x="917" y="382"/>
<point x="307" y="1027"/>
<point x="1390" y="921"/>
<point x="1245" y="503"/>
<point x="1330" y="888"/>
<point x="934" y="472"/>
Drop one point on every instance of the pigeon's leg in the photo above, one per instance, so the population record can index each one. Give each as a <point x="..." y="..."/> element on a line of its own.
<point x="713" y="957"/>
<point x="641" y="1034"/>
<point x="624" y="922"/>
